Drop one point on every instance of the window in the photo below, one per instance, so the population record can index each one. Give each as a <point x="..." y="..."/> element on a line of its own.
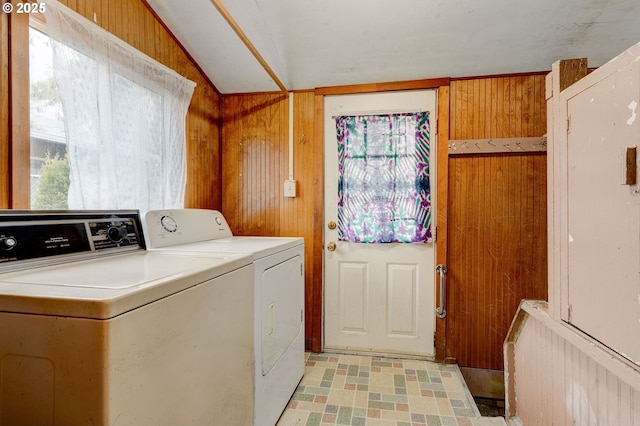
<point x="384" y="192"/>
<point x="119" y="124"/>
<point x="48" y="158"/>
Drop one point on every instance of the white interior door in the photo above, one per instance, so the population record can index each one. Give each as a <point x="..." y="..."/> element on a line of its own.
<point x="377" y="297"/>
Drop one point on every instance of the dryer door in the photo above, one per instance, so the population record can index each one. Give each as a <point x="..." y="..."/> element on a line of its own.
<point x="282" y="309"/>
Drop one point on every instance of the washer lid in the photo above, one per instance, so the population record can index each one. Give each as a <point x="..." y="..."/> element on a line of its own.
<point x="106" y="287"/>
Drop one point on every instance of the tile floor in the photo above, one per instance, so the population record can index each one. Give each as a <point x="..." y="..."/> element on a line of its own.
<point x="368" y="390"/>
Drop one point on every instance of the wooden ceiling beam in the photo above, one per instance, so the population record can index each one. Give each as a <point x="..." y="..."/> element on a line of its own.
<point x="234" y="25"/>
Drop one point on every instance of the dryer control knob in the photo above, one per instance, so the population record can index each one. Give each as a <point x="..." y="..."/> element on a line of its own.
<point x="7" y="243"/>
<point x="115" y="234"/>
<point x="169" y="224"/>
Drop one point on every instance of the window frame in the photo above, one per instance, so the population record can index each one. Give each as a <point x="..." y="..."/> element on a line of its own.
<point x="19" y="115"/>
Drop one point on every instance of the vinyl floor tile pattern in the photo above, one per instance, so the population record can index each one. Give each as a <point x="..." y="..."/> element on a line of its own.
<point x="369" y="390"/>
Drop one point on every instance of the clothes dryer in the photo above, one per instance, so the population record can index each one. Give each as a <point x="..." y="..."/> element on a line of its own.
<point x="278" y="296"/>
<point x="96" y="330"/>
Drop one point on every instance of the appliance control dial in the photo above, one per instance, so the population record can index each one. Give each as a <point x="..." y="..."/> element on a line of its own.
<point x="218" y="220"/>
<point x="7" y="243"/>
<point x="115" y="234"/>
<point x="169" y="224"/>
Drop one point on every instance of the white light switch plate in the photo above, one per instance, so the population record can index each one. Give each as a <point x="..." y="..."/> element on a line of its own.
<point x="289" y="188"/>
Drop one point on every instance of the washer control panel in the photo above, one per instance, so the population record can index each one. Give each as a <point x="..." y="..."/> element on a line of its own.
<point x="113" y="233"/>
<point x="27" y="237"/>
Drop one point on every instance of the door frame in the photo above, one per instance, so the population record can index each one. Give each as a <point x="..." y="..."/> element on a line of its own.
<point x="442" y="194"/>
<point x="314" y="294"/>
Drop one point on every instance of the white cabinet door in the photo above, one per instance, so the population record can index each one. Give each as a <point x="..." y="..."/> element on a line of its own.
<point x="604" y="213"/>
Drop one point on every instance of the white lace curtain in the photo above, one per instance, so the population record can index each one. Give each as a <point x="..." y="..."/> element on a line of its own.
<point x="124" y="117"/>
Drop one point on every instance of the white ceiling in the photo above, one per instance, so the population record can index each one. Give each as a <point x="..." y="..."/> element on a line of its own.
<point x="320" y="43"/>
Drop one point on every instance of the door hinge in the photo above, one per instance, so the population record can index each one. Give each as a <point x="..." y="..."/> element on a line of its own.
<point x="301" y="269"/>
<point x="568" y="124"/>
<point x="569" y="313"/>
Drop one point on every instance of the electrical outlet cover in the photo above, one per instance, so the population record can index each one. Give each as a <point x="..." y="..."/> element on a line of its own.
<point x="289" y="188"/>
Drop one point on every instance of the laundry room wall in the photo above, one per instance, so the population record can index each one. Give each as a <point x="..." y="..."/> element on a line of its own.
<point x="497" y="223"/>
<point x="255" y="165"/>
<point x="133" y="22"/>
<point x="242" y="173"/>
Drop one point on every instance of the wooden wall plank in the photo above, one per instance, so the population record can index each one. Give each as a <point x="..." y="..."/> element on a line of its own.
<point x="442" y="206"/>
<point x="303" y="213"/>
<point x="497" y="145"/>
<point x="254" y="152"/>
<point x="496" y="216"/>
<point x="317" y="164"/>
<point x="383" y="87"/>
<point x="4" y="112"/>
<point x="572" y="70"/>
<point x="255" y="155"/>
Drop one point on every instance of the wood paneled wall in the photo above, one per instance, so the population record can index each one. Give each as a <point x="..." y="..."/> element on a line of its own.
<point x="497" y="234"/>
<point x="500" y="107"/>
<point x="255" y="164"/>
<point x="4" y="111"/>
<point x="134" y="22"/>
<point x="497" y="221"/>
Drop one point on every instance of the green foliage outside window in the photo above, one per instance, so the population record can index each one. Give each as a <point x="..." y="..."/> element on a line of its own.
<point x="53" y="186"/>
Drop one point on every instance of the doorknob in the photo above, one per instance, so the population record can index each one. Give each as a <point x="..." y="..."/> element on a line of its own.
<point x="331" y="225"/>
<point x="331" y="246"/>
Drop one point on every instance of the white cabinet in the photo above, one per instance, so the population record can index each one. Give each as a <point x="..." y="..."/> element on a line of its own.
<point x="596" y="212"/>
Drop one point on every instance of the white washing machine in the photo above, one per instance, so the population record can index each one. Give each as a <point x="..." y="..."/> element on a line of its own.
<point x="95" y="330"/>
<point x="278" y="299"/>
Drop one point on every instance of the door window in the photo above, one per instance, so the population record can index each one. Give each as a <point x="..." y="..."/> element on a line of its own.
<point x="384" y="193"/>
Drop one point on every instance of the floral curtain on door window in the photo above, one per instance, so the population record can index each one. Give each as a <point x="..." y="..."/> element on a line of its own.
<point x="384" y="193"/>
